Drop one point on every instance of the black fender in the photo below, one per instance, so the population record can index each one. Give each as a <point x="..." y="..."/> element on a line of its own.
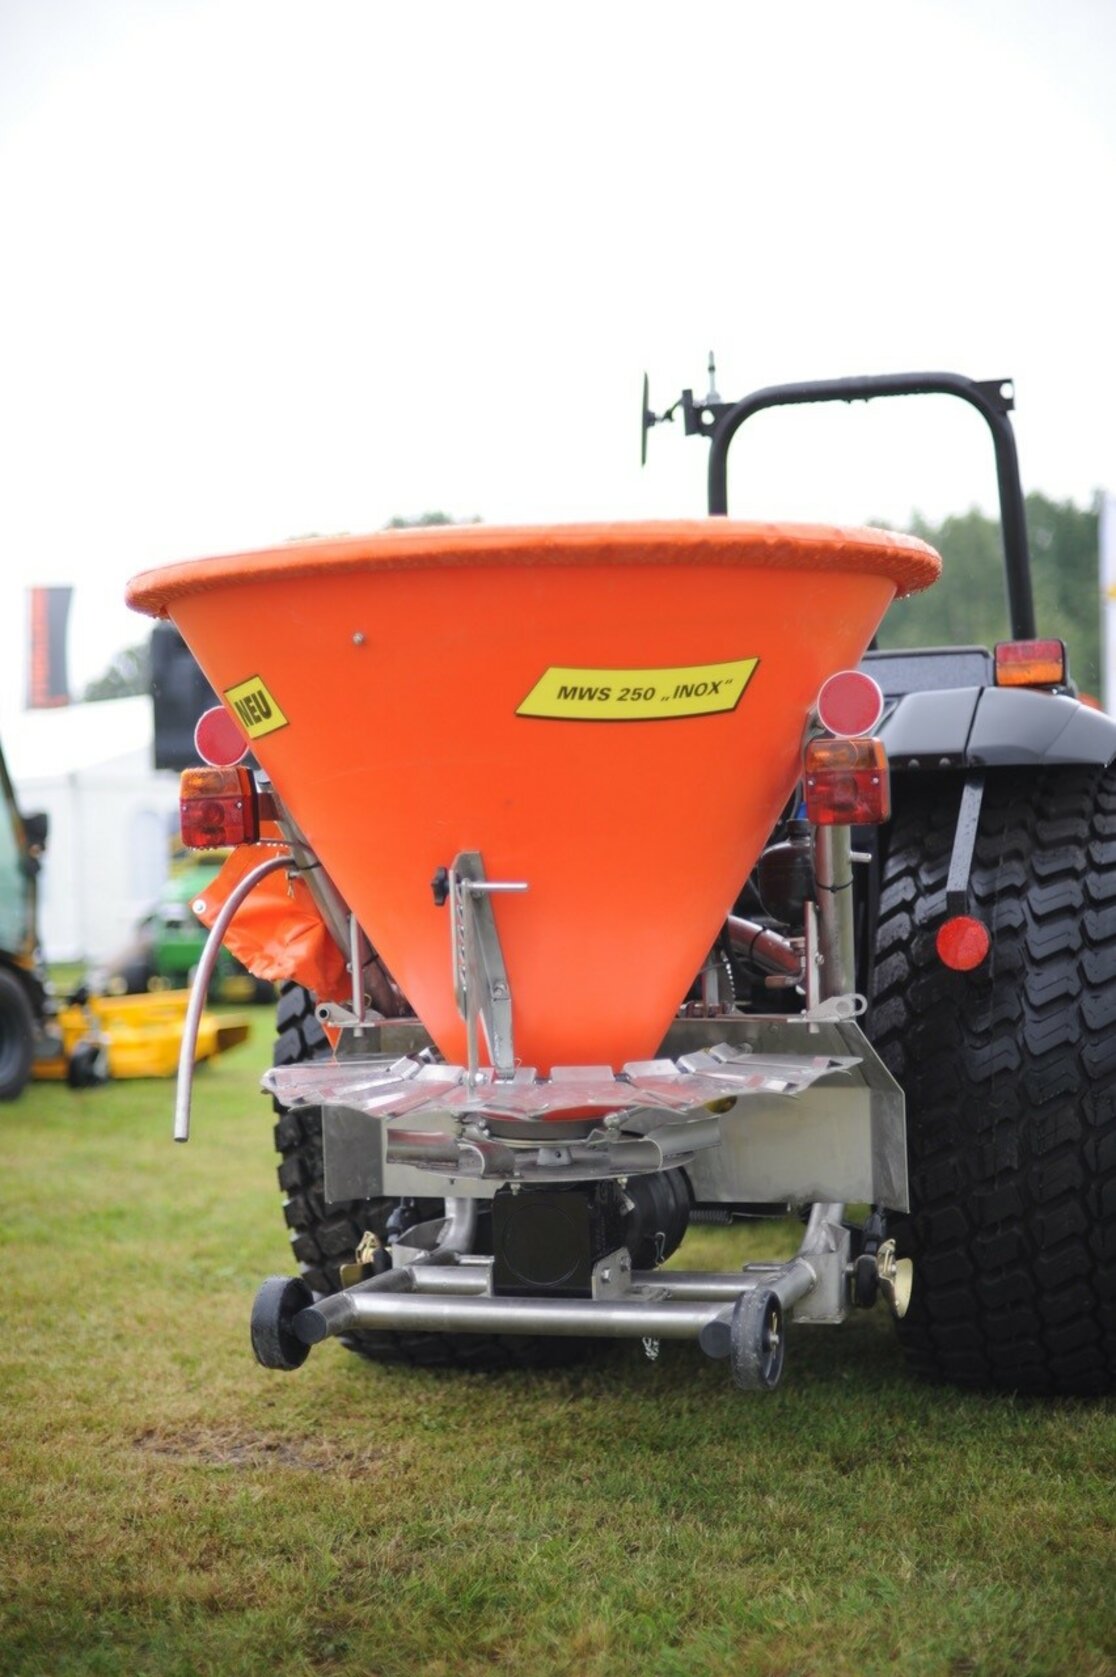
<point x="994" y="727"/>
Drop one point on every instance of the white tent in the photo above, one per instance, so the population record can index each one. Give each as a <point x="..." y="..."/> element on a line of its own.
<point x="112" y="819"/>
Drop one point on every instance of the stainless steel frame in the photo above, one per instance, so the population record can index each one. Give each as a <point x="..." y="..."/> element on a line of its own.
<point x="443" y="1291"/>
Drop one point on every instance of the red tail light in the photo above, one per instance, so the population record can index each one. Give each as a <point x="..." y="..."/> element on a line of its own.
<point x="1030" y="663"/>
<point x="847" y="782"/>
<point x="218" y="807"/>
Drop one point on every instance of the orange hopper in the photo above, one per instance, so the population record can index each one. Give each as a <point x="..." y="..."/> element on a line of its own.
<point x="612" y="713"/>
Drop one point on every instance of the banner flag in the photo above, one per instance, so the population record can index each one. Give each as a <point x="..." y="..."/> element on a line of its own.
<point x="47" y="680"/>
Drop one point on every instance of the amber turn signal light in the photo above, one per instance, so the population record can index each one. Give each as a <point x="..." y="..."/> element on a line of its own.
<point x="847" y="782"/>
<point x="1030" y="663"/>
<point x="217" y="807"/>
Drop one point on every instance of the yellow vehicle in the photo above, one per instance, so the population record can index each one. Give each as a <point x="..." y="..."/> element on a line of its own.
<point x="137" y="1036"/>
<point x="88" y="1038"/>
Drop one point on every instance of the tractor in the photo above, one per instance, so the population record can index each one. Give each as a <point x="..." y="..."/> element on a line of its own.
<point x="620" y="882"/>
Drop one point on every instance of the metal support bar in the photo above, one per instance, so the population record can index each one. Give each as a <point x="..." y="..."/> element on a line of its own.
<point x="204" y="973"/>
<point x="327" y="898"/>
<point x="964" y="845"/>
<point x="356" y="970"/>
<point x="379" y="1310"/>
<point x="480" y="978"/>
<point x="334" y="911"/>
<point x="790" y="1280"/>
<point x="456" y="1231"/>
<point x="836" y="940"/>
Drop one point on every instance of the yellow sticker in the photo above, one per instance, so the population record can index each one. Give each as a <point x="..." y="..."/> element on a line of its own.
<point x="257" y="710"/>
<point x="653" y="695"/>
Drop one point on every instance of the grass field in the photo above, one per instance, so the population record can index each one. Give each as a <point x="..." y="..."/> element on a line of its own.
<point x="170" y="1508"/>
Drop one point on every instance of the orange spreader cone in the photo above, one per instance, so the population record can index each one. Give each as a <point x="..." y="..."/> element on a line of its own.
<point x="612" y="713"/>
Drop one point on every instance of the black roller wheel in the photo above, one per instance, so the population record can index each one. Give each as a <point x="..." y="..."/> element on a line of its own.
<point x="276" y="1305"/>
<point x="325" y="1236"/>
<point x="757" y="1341"/>
<point x="17" y="1036"/>
<point x="1010" y="1078"/>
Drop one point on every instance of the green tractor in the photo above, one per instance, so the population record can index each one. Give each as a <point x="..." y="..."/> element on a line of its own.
<point x="24" y="990"/>
<point x="167" y="944"/>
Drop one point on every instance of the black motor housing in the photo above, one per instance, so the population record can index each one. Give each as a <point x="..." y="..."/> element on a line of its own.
<point x="547" y="1240"/>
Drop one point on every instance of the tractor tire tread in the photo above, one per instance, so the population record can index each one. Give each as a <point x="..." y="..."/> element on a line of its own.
<point x="1008" y="1073"/>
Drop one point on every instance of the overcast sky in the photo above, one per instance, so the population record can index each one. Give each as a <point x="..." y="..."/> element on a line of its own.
<point x="272" y="268"/>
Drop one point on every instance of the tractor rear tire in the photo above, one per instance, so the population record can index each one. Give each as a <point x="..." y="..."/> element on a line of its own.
<point x="1010" y="1077"/>
<point x="323" y="1236"/>
<point x="17" y="1036"/>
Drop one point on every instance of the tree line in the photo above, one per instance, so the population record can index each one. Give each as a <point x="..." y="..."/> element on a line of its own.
<point x="968" y="606"/>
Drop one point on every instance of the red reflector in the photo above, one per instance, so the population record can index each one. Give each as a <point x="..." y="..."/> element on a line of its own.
<point x="850" y="703"/>
<point x="963" y="942"/>
<point x="1030" y="663"/>
<point x="219" y="740"/>
<point x="846" y="781"/>
<point x="217" y="807"/>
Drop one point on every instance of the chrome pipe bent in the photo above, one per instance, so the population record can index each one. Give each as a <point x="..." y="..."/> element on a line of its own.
<point x="185" y="1088"/>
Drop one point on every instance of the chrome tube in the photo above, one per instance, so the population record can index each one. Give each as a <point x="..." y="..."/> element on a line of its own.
<point x="185" y="1087"/>
<point x="459" y="1280"/>
<point x="330" y="1315"/>
<point x="461" y="1225"/>
<point x="836" y="940"/>
<point x="763" y="947"/>
<point x="378" y="1310"/>
<point x="356" y="972"/>
<point x="689" y="1286"/>
<point x="714" y="1287"/>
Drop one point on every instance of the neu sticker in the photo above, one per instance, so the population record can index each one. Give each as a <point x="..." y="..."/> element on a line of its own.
<point x="256" y="707"/>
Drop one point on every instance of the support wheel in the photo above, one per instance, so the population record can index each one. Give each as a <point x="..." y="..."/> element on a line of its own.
<point x="758" y="1342"/>
<point x="277" y="1304"/>
<point x="17" y="1036"/>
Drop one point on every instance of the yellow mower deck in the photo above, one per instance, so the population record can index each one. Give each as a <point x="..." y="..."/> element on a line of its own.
<point x="143" y="1034"/>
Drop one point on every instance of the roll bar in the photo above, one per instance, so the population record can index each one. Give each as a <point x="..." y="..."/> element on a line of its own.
<point x="719" y="422"/>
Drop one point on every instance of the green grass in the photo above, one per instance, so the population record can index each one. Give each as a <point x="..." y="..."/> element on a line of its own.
<point x="169" y="1508"/>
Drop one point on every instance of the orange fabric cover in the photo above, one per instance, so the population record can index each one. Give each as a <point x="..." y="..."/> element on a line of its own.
<point x="277" y="932"/>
